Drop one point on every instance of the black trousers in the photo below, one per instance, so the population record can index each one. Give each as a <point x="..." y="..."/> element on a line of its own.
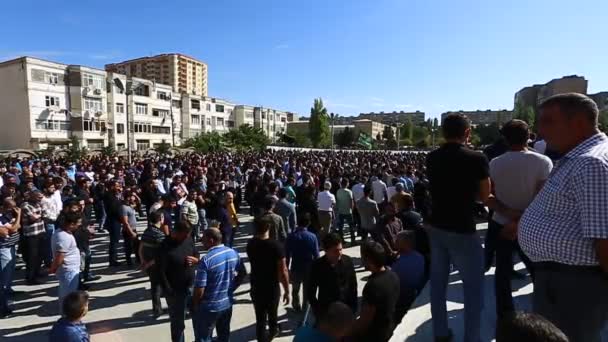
<point x="265" y="306"/>
<point x="504" y="268"/>
<point x="34" y="247"/>
<point x="155" y="288"/>
<point x="131" y="246"/>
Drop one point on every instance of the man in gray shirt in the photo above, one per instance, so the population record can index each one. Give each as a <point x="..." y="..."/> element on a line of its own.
<point x="277" y="228"/>
<point x="128" y="218"/>
<point x="368" y="211"/>
<point x="286" y="210"/>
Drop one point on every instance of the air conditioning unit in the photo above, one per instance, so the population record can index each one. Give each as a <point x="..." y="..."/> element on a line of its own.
<point x="98" y="113"/>
<point x="97" y="91"/>
<point x="86" y="90"/>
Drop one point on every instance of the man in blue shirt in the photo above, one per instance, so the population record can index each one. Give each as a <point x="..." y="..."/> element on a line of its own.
<point x="219" y="273"/>
<point x="70" y="328"/>
<point x="409" y="267"/>
<point x="301" y="248"/>
<point x="333" y="326"/>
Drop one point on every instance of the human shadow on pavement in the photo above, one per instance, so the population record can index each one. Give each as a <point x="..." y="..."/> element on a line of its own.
<point x="24" y="334"/>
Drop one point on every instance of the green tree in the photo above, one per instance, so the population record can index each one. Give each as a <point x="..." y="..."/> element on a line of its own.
<point x="524" y="113"/>
<point x="300" y="139"/>
<point x="75" y="151"/>
<point x="163" y="148"/>
<point x="389" y="136"/>
<point x="108" y="151"/>
<point x="346" y="137"/>
<point x="319" y="131"/>
<point x="205" y="142"/>
<point x="246" y="138"/>
<point x="487" y="134"/>
<point x="603" y="120"/>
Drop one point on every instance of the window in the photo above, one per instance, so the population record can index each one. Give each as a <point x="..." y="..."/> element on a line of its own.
<point x="161" y="130"/>
<point x="139" y="127"/>
<point x="249" y="114"/>
<point x="195" y="119"/>
<point x="219" y="122"/>
<point x="177" y="103"/>
<point x="120" y="108"/>
<point x="283" y="119"/>
<point x="52" y="125"/>
<point x="163" y="113"/>
<point x="120" y="146"/>
<point x="51" y="101"/>
<point x="161" y="95"/>
<point x="51" y="77"/>
<point x="208" y="107"/>
<point x="208" y="121"/>
<point x="270" y="117"/>
<point x="120" y="128"/>
<point x="142" y="90"/>
<point x="93" y="125"/>
<point x="195" y="104"/>
<point x="95" y="144"/>
<point x="141" y="108"/>
<point x="229" y="111"/>
<point x="230" y="124"/>
<point x="143" y="144"/>
<point x="93" y="105"/>
<point x="219" y="108"/>
<point x="94" y="81"/>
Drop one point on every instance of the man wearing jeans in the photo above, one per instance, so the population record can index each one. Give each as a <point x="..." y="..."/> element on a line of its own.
<point x="10" y="217"/>
<point x="345" y="204"/>
<point x="33" y="234"/>
<point x="219" y="273"/>
<point x="458" y="178"/>
<point x="66" y="256"/>
<point x="301" y="248"/>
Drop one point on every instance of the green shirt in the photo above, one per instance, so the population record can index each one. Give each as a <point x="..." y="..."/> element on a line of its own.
<point x="189" y="210"/>
<point x="344" y="199"/>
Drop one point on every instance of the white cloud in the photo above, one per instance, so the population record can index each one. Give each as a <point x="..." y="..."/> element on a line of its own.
<point x="281" y="46"/>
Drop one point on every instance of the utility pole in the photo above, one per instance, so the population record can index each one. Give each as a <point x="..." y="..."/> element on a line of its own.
<point x="332" y="115"/>
<point x="172" y="122"/>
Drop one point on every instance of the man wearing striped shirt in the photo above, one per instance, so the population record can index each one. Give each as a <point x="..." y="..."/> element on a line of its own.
<point x="34" y="236"/>
<point x="564" y="231"/>
<point x="219" y="273"/>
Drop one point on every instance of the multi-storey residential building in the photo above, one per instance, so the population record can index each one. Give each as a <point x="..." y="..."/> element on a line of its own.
<point x="532" y="95"/>
<point x="272" y="121"/>
<point x="205" y="114"/>
<point x="401" y="117"/>
<point x="484" y="117"/>
<point x="243" y="115"/>
<point x="44" y="104"/>
<point x="185" y="74"/>
<point x="369" y="127"/>
<point x="154" y="113"/>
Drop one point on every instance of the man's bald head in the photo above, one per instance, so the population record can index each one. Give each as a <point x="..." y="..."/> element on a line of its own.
<point x="212" y="237"/>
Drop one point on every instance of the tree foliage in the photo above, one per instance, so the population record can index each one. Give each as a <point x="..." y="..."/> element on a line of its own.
<point x="300" y="139"/>
<point x="246" y="138"/>
<point x="346" y="138"/>
<point x="524" y="113"/>
<point x="205" y="142"/>
<point x="163" y="148"/>
<point x="76" y="152"/>
<point x="487" y="134"/>
<point x="319" y="132"/>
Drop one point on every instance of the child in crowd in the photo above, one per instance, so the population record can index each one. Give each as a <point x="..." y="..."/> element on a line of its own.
<point x="69" y="328"/>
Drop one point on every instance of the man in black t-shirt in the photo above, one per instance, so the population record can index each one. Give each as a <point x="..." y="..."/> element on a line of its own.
<point x="458" y="179"/>
<point x="177" y="260"/>
<point x="380" y="294"/>
<point x="113" y="205"/>
<point x="268" y="269"/>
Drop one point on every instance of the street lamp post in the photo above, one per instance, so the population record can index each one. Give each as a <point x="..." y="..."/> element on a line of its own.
<point x="172" y="120"/>
<point x="127" y="89"/>
<point x="332" y="115"/>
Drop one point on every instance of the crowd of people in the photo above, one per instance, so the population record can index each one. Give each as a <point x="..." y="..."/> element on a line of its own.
<point x="413" y="215"/>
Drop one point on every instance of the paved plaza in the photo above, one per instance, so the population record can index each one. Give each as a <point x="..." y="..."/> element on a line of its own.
<point x="120" y="308"/>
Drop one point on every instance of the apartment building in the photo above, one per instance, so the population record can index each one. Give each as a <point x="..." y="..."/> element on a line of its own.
<point x="185" y="74"/>
<point x="206" y="114"/>
<point x="154" y="113"/>
<point x="532" y="95"/>
<point x="243" y="115"/>
<point x="45" y="103"/>
<point x="391" y="118"/>
<point x="484" y="117"/>
<point x="272" y="121"/>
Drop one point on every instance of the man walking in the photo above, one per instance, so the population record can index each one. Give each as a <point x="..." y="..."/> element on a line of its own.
<point x="345" y="204"/>
<point x="564" y="231"/>
<point x="219" y="273"/>
<point x="268" y="269"/>
<point x="333" y="275"/>
<point x="517" y="176"/>
<point x="458" y="178"/>
<point x="368" y="212"/>
<point x="301" y="248"/>
<point x="286" y="210"/>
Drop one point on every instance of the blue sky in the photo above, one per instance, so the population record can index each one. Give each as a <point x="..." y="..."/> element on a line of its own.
<point x="358" y="55"/>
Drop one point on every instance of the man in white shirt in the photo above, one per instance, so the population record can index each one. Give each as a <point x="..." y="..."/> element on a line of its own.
<point x="517" y="176"/>
<point x="378" y="190"/>
<point x="326" y="201"/>
<point x="358" y="194"/>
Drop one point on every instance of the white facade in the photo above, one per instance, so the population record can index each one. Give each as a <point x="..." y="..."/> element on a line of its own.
<point x="44" y="104"/>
